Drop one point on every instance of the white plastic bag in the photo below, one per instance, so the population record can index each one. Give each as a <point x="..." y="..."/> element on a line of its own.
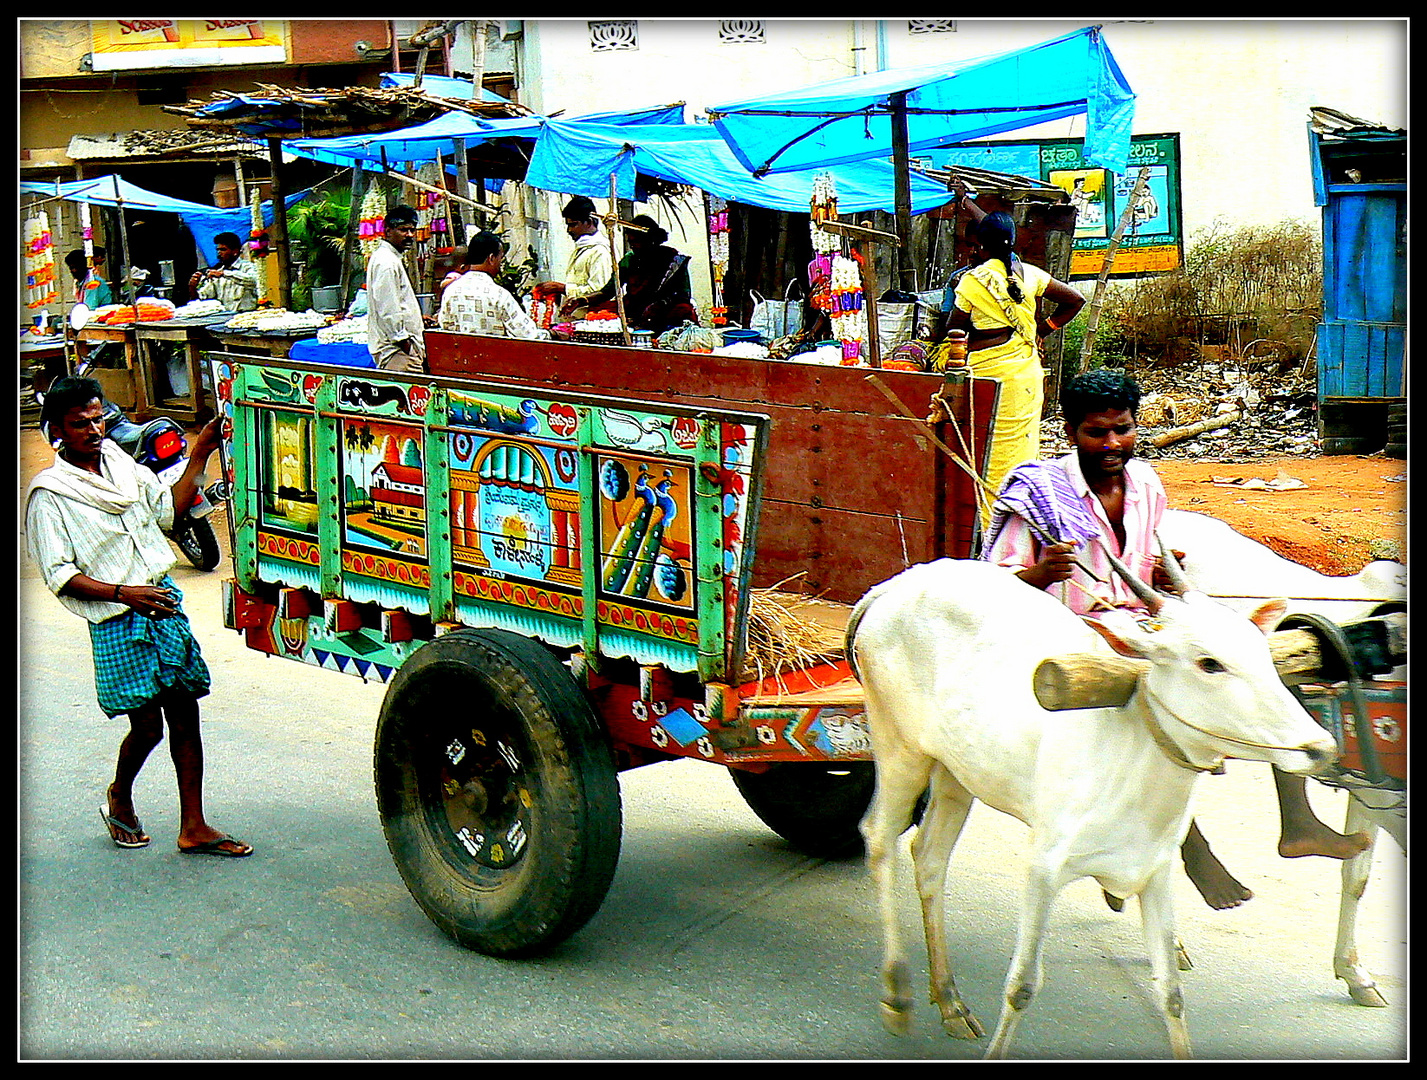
<point x="776" y="318"/>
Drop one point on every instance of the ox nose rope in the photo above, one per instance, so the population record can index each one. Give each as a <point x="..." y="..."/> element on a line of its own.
<point x="1159" y="703"/>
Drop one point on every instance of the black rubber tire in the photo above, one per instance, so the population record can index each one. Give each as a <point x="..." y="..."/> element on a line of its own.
<point x="497" y="791"/>
<point x="815" y="806"/>
<point x="199" y="543"/>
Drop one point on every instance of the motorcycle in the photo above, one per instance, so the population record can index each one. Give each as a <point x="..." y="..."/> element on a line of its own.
<point x="160" y="446"/>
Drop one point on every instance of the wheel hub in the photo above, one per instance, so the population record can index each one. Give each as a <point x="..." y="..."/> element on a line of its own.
<point x="481" y="795"/>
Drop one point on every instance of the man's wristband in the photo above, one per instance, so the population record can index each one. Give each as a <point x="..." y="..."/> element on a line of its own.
<point x="116" y="593"/>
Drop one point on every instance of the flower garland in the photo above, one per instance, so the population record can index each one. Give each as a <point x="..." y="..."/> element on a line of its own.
<point x="718" y="255"/>
<point x="39" y="261"/>
<point x="370" y="224"/>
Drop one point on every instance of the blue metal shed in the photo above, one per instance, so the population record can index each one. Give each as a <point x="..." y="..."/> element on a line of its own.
<point x="1360" y="181"/>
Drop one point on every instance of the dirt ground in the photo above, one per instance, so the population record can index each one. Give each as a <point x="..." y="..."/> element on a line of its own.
<point x="1348" y="510"/>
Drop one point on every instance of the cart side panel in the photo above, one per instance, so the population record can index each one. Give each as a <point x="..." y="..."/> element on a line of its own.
<point x="854" y="490"/>
<point x="372" y="511"/>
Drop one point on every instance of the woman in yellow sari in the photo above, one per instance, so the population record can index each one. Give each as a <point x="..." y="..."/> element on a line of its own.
<point x="997" y="303"/>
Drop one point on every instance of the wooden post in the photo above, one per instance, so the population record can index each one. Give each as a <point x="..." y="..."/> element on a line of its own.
<point x="124" y="244"/>
<point x="279" y="225"/>
<point x="614" y="257"/>
<point x="353" y="246"/>
<point x="901" y="164"/>
<point x="463" y="188"/>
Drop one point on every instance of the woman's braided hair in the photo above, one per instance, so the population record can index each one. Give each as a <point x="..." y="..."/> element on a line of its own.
<point x="997" y="236"/>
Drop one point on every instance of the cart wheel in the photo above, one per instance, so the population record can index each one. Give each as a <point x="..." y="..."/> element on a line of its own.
<point x="497" y="791"/>
<point x="815" y="806"/>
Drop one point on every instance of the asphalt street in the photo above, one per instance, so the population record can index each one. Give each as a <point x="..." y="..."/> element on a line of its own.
<point x="716" y="942"/>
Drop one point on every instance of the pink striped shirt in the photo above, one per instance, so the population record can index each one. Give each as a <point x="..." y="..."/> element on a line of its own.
<point x="1017" y="547"/>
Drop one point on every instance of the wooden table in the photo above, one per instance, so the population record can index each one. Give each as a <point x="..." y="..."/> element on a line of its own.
<point x="193" y="339"/>
<point x="123" y="385"/>
<point x="265" y="344"/>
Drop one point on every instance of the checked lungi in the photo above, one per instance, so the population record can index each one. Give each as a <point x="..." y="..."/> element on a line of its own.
<point x="136" y="658"/>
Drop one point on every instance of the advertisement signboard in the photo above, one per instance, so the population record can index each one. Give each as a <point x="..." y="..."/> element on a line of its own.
<point x="1153" y="241"/>
<point x="128" y="44"/>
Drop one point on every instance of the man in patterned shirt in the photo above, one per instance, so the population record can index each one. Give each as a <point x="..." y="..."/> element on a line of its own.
<point x="94" y="523"/>
<point x="475" y="303"/>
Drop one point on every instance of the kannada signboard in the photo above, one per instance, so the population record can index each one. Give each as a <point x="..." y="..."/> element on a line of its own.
<point x="127" y="44"/>
<point x="1153" y="241"/>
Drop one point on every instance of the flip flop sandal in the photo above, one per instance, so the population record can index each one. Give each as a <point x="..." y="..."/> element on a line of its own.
<point x="115" y="827"/>
<point x="215" y="847"/>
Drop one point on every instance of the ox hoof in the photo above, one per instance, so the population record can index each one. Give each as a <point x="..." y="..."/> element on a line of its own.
<point x="1181" y="957"/>
<point x="1367" y="995"/>
<point x="897" y="1021"/>
<point x="959" y="1023"/>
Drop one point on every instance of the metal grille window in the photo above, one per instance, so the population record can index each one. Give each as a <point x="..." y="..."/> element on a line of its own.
<point x="614" y="35"/>
<point x="742" y="31"/>
<point x="931" y="26"/>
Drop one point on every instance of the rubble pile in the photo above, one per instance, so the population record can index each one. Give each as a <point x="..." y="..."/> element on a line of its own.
<point x="1263" y="412"/>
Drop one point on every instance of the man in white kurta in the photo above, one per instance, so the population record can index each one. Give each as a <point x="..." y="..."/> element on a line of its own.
<point x="395" y="330"/>
<point x="475" y="303"/>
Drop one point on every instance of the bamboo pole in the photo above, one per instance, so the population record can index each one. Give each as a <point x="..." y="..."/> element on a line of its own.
<point x="1093" y="320"/>
<point x="614" y="258"/>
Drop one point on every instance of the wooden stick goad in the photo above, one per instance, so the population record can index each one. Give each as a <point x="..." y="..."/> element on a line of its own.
<point x="1095" y="680"/>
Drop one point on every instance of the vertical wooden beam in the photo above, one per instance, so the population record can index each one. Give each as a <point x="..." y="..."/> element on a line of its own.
<point x="901" y="162"/>
<point x="279" y="225"/>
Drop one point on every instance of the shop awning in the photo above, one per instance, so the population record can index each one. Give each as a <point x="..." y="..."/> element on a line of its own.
<point x="423" y="142"/>
<point x="852" y="119"/>
<point x="203" y="221"/>
<point x="578" y="158"/>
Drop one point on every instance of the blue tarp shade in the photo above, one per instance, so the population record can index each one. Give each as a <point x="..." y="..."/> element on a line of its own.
<point x="850" y="119"/>
<point x="423" y="142"/>
<point x="441" y="86"/>
<point x="203" y="221"/>
<point x="578" y="158"/>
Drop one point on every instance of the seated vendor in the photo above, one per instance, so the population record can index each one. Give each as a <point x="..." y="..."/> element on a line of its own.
<point x="475" y="303"/>
<point x="657" y="293"/>
<point x="233" y="282"/>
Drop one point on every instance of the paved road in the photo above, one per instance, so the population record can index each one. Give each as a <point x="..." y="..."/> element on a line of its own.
<point x="716" y="941"/>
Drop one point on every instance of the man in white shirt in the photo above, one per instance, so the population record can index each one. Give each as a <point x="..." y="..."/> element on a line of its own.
<point x="94" y="524"/>
<point x="395" y="329"/>
<point x="590" y="264"/>
<point x="475" y="303"/>
<point x="233" y="282"/>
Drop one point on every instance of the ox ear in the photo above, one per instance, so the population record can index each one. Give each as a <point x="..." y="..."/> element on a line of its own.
<point x="1269" y="614"/>
<point x="1117" y="640"/>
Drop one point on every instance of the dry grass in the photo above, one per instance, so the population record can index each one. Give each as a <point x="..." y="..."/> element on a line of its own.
<point x="789" y="631"/>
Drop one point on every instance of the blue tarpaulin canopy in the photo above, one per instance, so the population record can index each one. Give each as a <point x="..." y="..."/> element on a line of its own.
<point x="423" y="142"/>
<point x="852" y="119"/>
<point x="579" y="158"/>
<point x="442" y="86"/>
<point x="203" y="221"/>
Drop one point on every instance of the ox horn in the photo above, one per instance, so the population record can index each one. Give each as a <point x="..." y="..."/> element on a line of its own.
<point x="1172" y="568"/>
<point x="1153" y="601"/>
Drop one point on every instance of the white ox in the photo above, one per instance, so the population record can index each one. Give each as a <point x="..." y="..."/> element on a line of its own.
<point x="1239" y="571"/>
<point x="945" y="652"/>
<point x="1224" y="563"/>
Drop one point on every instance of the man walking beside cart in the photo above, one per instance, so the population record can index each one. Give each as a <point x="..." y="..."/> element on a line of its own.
<point x="93" y="522"/>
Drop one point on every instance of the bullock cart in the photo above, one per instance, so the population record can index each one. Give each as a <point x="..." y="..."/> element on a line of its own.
<point x="568" y="560"/>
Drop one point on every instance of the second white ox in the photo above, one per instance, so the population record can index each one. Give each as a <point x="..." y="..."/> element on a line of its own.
<point x="945" y="652"/>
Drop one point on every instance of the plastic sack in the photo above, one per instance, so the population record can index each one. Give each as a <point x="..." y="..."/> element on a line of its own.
<point x="774" y="319"/>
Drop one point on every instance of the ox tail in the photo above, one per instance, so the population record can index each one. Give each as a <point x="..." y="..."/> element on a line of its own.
<point x="854" y="620"/>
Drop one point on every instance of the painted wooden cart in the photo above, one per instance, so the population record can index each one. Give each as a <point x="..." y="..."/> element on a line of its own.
<point x="549" y="553"/>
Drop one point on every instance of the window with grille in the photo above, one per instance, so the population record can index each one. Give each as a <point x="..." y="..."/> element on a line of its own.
<point x="931" y="26"/>
<point x="742" y="31"/>
<point x="614" y="35"/>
